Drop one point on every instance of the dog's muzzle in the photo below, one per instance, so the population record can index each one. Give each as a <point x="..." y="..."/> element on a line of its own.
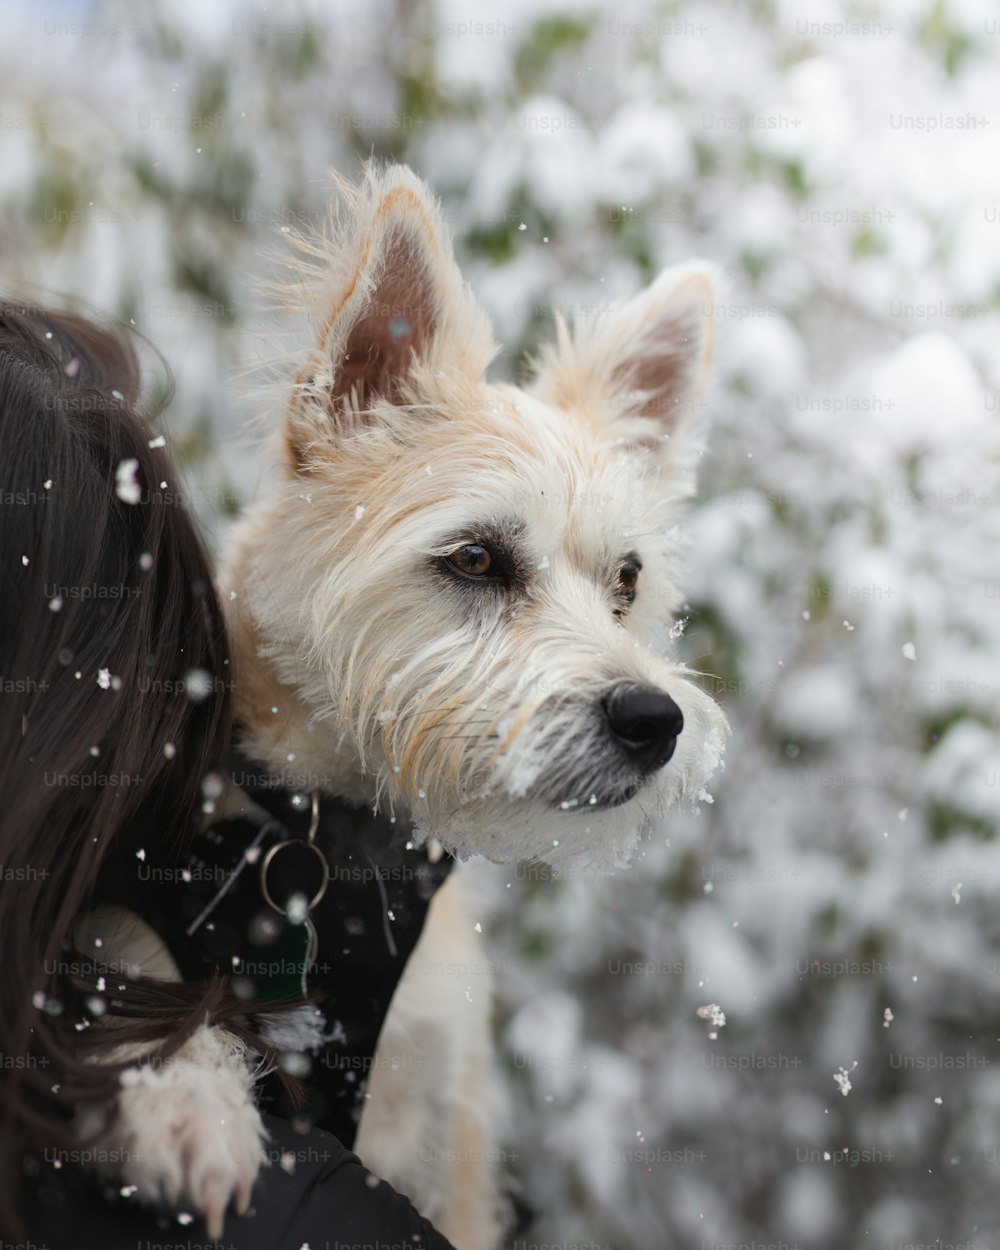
<point x="631" y="732"/>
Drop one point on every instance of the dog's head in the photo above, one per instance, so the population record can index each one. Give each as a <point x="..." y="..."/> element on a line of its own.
<point x="469" y="587"/>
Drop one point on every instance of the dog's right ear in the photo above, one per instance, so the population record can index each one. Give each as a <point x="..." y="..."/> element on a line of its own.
<point x="388" y="300"/>
<point x="636" y="371"/>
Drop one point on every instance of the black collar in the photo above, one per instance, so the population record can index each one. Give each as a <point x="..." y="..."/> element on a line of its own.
<point x="295" y="810"/>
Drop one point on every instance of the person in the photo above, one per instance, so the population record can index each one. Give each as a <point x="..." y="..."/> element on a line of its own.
<point x="108" y="608"/>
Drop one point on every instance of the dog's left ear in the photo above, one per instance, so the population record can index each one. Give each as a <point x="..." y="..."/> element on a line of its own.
<point x="388" y="300"/>
<point x="637" y="370"/>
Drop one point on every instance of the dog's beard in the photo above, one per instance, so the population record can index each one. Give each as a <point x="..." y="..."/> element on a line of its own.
<point x="553" y="786"/>
<point x="573" y="762"/>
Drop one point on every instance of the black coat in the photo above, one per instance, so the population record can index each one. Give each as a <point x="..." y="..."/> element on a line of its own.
<point x="327" y="1201"/>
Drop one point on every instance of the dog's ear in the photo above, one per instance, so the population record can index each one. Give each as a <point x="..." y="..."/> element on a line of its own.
<point x="638" y="369"/>
<point x="387" y="299"/>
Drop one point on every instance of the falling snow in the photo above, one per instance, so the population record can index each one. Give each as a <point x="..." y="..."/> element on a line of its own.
<point x="127" y="486"/>
<point x="842" y="1078"/>
<point x="715" y="1017"/>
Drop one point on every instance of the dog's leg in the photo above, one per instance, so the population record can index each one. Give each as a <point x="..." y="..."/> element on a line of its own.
<point x="430" y="1120"/>
<point x="186" y="1131"/>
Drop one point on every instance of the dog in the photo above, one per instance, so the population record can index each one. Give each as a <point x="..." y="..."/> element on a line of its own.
<point x="453" y="603"/>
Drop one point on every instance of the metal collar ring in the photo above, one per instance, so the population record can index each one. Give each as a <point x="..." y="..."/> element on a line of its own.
<point x="269" y="859"/>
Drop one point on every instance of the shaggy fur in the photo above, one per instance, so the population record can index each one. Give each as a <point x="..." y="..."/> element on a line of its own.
<point x="474" y="710"/>
<point x="475" y="717"/>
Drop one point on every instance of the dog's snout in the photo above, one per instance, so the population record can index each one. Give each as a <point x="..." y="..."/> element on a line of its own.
<point x="645" y="722"/>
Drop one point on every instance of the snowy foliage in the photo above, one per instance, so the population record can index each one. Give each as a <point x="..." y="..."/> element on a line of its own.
<point x="839" y="161"/>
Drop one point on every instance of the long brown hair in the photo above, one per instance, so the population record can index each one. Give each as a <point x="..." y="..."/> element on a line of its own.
<point x="106" y="603"/>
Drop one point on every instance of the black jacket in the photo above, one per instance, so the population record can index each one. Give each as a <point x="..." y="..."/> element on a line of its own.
<point x="327" y="1200"/>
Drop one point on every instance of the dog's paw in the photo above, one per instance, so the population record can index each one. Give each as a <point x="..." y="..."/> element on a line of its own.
<point x="187" y="1132"/>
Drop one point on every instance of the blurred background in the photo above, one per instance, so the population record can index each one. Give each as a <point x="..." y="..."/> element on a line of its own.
<point x="841" y="160"/>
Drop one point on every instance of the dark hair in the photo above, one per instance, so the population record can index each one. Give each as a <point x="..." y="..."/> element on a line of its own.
<point x="103" y="581"/>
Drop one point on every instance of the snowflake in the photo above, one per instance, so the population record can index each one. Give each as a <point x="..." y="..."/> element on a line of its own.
<point x="715" y="1017"/>
<point x="127" y="487"/>
<point x="843" y="1078"/>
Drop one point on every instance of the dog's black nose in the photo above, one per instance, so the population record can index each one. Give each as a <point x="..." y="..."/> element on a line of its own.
<point x="646" y="722"/>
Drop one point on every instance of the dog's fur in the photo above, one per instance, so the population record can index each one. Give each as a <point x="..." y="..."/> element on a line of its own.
<point x="473" y="710"/>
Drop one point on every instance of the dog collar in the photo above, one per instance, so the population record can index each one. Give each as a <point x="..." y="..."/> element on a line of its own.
<point x="295" y="811"/>
<point x="305" y="843"/>
<point x="305" y="839"/>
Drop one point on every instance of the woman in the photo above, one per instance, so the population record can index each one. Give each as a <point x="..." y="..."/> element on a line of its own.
<point x="113" y="664"/>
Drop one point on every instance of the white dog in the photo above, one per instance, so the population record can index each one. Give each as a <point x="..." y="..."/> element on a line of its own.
<point x="453" y="603"/>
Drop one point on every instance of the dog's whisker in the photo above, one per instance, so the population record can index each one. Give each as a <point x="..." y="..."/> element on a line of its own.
<point x="467" y="737"/>
<point x="457" y="714"/>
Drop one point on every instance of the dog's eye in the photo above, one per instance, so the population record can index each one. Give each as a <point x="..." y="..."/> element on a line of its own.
<point x="628" y="577"/>
<point x="472" y="560"/>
